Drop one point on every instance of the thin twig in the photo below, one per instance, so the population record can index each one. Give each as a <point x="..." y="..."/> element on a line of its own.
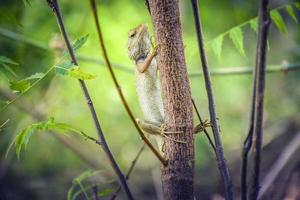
<point x="101" y="40"/>
<point x="282" y="160"/>
<point x="55" y="6"/>
<point x="260" y="65"/>
<point x="215" y="126"/>
<point x="204" y="130"/>
<point x="130" y="170"/>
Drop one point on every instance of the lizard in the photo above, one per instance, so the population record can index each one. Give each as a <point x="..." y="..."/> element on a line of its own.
<point x="143" y="53"/>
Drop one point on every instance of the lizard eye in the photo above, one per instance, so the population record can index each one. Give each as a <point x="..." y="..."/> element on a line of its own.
<point x="132" y="34"/>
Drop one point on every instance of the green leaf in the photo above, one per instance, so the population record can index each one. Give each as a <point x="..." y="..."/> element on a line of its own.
<point x="63" y="68"/>
<point x="37" y="75"/>
<point x="291" y="12"/>
<point x="254" y="25"/>
<point x="105" y="192"/>
<point x="77" y="73"/>
<point x="6" y="60"/>
<point x="77" y="44"/>
<point x="278" y="21"/>
<point x="24" y="84"/>
<point x="19" y="86"/>
<point x="297" y="5"/>
<point x="80" y="42"/>
<point x="217" y="46"/>
<point x="27" y="2"/>
<point x="9" y="69"/>
<point x="22" y="139"/>
<point x="236" y="35"/>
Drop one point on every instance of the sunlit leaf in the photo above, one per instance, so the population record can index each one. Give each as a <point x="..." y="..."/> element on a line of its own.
<point x="217" y="46"/>
<point x="236" y="35"/>
<point x="105" y="192"/>
<point x="77" y="73"/>
<point x="19" y="86"/>
<point x="254" y="24"/>
<point x="291" y="12"/>
<point x="278" y="21"/>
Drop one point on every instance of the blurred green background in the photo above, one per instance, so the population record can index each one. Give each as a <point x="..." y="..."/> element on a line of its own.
<point x="47" y="167"/>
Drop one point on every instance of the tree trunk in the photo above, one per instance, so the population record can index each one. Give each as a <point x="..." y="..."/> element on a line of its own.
<point x="177" y="175"/>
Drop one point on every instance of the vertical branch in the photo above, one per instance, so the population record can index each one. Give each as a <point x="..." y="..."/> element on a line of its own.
<point x="97" y="23"/>
<point x="178" y="176"/>
<point x="260" y="65"/>
<point x="55" y="6"/>
<point x="215" y="126"/>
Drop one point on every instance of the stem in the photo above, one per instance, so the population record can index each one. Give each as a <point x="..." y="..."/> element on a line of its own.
<point x="261" y="56"/>
<point x="125" y="104"/>
<point x="114" y="196"/>
<point x="55" y="6"/>
<point x="215" y="126"/>
<point x="204" y="130"/>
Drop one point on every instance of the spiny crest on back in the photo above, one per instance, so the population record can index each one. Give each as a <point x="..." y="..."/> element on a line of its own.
<point x="138" y="42"/>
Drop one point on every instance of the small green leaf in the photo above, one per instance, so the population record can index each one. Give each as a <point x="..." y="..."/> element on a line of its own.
<point x="105" y="192"/>
<point x="254" y="25"/>
<point x="6" y="60"/>
<point x="291" y="12"/>
<point x="27" y="2"/>
<point x="236" y="35"/>
<point x="77" y="73"/>
<point x="9" y="69"/>
<point x="278" y="21"/>
<point x="63" y="68"/>
<point x="37" y="75"/>
<point x="77" y="44"/>
<point x="297" y="5"/>
<point x="217" y="46"/>
<point x="19" y="86"/>
<point x="80" y="42"/>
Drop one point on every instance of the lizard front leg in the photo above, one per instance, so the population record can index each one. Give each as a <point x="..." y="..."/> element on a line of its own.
<point x="143" y="66"/>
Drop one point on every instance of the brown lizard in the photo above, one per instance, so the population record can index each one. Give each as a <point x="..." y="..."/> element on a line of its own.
<point x="147" y="83"/>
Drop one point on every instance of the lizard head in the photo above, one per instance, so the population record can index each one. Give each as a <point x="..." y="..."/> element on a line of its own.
<point x="139" y="44"/>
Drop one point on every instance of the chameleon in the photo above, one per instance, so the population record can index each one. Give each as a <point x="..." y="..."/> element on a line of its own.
<point x="143" y="53"/>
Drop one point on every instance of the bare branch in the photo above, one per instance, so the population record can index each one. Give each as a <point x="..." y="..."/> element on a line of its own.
<point x="260" y="65"/>
<point x="55" y="6"/>
<point x="215" y="126"/>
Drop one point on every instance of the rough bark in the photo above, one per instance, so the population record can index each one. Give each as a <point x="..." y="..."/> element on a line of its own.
<point x="177" y="175"/>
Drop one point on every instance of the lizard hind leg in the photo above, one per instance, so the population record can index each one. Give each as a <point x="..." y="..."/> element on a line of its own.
<point x="158" y="129"/>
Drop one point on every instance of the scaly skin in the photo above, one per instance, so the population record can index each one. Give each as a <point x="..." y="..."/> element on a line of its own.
<point x="147" y="82"/>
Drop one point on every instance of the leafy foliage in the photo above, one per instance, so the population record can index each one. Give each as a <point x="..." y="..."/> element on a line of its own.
<point x="67" y="69"/>
<point x="23" y="137"/>
<point x="236" y="33"/>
